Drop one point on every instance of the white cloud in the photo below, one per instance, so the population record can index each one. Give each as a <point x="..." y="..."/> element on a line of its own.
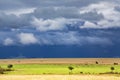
<point x="99" y="7"/>
<point x="49" y="24"/>
<point x="20" y="11"/>
<point x="27" y="38"/>
<point x="13" y="29"/>
<point x="88" y="24"/>
<point x="107" y="9"/>
<point x="8" y="41"/>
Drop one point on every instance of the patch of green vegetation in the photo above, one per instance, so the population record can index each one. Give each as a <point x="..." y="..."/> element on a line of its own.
<point x="62" y="69"/>
<point x="4" y="70"/>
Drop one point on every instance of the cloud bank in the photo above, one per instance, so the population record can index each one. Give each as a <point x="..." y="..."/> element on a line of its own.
<point x="64" y="22"/>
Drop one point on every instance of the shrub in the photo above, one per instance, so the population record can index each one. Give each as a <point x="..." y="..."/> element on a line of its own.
<point x="1" y="70"/>
<point x="10" y="66"/>
<point x="81" y="72"/>
<point x="115" y="63"/>
<point x="96" y="62"/>
<point x="70" y="68"/>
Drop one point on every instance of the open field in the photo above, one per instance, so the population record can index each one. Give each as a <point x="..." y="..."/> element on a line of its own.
<point x="60" y="66"/>
<point x="58" y="77"/>
<point x="36" y="69"/>
<point x="57" y="69"/>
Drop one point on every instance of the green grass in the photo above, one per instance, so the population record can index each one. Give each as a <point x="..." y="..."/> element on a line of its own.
<point x="60" y="69"/>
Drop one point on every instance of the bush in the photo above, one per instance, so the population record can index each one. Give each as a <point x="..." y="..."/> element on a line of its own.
<point x="115" y="63"/>
<point x="8" y="69"/>
<point x="70" y="68"/>
<point x="96" y="62"/>
<point x="10" y="66"/>
<point x="2" y="71"/>
<point x="81" y="72"/>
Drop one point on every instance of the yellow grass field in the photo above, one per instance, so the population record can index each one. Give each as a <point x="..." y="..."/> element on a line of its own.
<point x="61" y="61"/>
<point x="58" y="77"/>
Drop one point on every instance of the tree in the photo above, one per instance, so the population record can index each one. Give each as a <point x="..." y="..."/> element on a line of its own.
<point x="10" y="66"/>
<point x="112" y="69"/>
<point x="70" y="68"/>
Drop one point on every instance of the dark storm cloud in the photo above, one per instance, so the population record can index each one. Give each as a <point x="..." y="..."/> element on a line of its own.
<point x="92" y="16"/>
<point x="66" y="12"/>
<point x="56" y="12"/>
<point x="13" y="21"/>
<point x="26" y="17"/>
<point x="10" y="4"/>
<point x="67" y="3"/>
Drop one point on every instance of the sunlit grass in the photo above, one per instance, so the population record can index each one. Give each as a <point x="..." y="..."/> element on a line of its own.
<point x="61" y="69"/>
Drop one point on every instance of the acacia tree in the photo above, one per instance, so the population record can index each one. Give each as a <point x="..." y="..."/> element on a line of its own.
<point x="112" y="69"/>
<point x="70" y="68"/>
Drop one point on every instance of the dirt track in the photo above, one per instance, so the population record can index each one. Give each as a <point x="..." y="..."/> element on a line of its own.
<point x="57" y="77"/>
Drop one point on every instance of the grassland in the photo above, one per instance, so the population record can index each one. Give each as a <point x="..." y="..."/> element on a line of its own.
<point x="57" y="69"/>
<point x="60" y="66"/>
<point x="36" y="69"/>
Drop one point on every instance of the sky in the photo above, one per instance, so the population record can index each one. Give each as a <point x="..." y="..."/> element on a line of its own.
<point x="59" y="28"/>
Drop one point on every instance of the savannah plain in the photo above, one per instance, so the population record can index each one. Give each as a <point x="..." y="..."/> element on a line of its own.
<point x="57" y="69"/>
